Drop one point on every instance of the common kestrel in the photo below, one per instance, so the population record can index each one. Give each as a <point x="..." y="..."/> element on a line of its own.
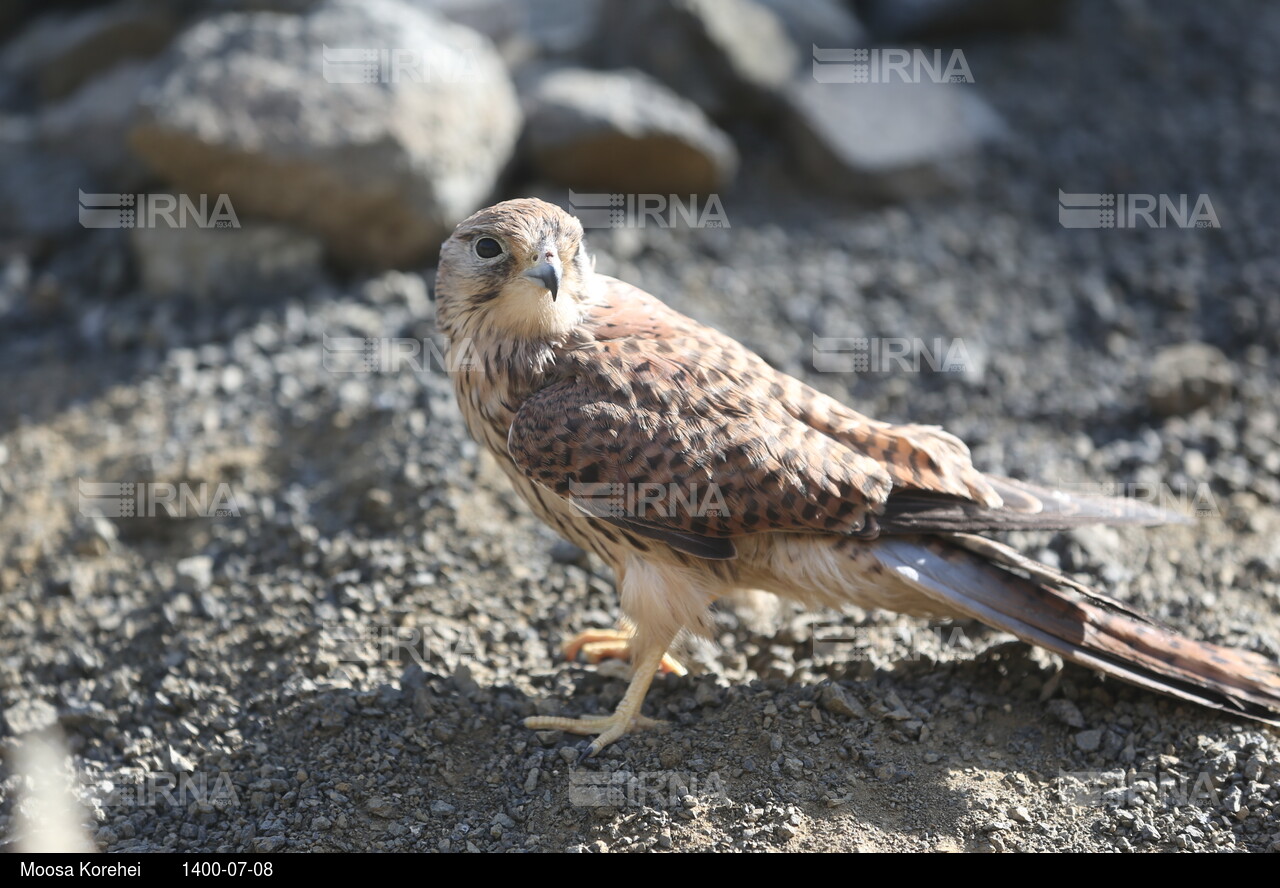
<point x="695" y="469"/>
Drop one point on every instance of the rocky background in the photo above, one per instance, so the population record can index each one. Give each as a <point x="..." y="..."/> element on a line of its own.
<point x="340" y="660"/>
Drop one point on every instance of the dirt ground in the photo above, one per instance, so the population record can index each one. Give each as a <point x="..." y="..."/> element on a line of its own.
<point x="341" y="659"/>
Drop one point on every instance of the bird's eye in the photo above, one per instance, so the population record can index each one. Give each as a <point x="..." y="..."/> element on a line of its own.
<point x="487" y="248"/>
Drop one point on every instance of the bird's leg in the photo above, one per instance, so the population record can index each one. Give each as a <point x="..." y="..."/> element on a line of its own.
<point x="625" y="718"/>
<point x="603" y="644"/>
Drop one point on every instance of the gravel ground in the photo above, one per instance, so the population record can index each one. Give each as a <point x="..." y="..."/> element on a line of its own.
<point x="244" y="656"/>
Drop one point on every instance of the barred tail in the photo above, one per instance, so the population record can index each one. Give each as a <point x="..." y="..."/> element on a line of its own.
<point x="998" y="586"/>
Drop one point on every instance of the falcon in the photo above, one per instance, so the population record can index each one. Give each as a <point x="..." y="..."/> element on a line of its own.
<point x="696" y="470"/>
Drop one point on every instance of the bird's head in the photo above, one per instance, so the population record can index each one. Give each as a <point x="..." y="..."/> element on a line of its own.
<point x="518" y="269"/>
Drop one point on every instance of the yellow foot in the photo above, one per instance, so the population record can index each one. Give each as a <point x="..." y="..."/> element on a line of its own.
<point x="607" y="727"/>
<point x="625" y="718"/>
<point x="605" y="644"/>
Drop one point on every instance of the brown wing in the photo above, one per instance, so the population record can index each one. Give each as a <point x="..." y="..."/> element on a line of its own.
<point x="678" y="432"/>
<point x="916" y="457"/>
<point x="637" y="435"/>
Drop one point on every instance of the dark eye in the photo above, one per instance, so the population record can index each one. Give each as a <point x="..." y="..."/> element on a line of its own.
<point x="487" y="248"/>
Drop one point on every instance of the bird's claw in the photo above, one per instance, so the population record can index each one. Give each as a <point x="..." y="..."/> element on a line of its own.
<point x="603" y="644"/>
<point x="607" y="728"/>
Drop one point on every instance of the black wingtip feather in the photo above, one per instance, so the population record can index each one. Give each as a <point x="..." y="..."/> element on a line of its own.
<point x="1026" y="507"/>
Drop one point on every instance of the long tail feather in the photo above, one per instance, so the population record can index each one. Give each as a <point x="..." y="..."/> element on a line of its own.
<point x="985" y="580"/>
<point x="1025" y="507"/>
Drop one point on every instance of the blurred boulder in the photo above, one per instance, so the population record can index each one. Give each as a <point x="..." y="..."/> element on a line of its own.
<point x="93" y="124"/>
<point x="77" y="145"/>
<point x="731" y="57"/>
<point x="192" y="8"/>
<point x="257" y="259"/>
<point x="1188" y="376"/>
<point x="623" y="131"/>
<point x="824" y="23"/>
<point x="375" y="126"/>
<point x="543" y="28"/>
<point x="898" y="19"/>
<point x="499" y="20"/>
<point x="14" y="14"/>
<point x="889" y="140"/>
<point x="57" y="52"/>
<point x="38" y="187"/>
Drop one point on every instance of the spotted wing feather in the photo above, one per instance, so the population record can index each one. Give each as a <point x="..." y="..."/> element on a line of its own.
<point x="688" y="464"/>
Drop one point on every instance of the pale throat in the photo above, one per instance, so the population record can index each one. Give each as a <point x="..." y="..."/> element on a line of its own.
<point x="526" y="311"/>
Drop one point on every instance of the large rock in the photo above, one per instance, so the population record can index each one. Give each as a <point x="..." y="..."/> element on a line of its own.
<point x="58" y="52"/>
<point x="373" y="125"/>
<point x="623" y="131"/>
<point x="825" y="23"/>
<point x="255" y="260"/>
<point x="14" y="14"/>
<point x="77" y="145"/>
<point x="205" y="7"/>
<point x="889" y="140"/>
<point x="37" y="187"/>
<point x="898" y="19"/>
<point x="1189" y="376"/>
<point x="548" y="27"/>
<point x="93" y="126"/>
<point x="731" y="57"/>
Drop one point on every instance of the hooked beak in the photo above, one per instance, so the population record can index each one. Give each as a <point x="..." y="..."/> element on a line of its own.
<point x="548" y="274"/>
